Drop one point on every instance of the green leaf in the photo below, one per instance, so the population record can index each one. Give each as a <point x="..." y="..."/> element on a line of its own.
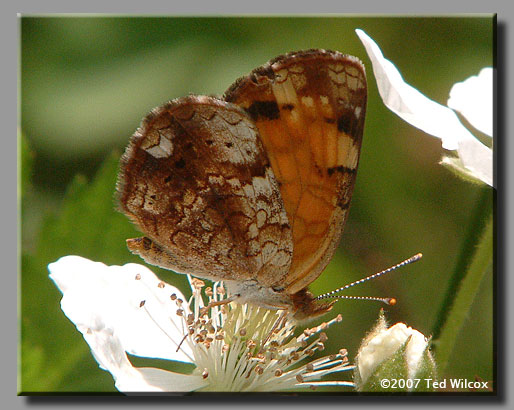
<point x="393" y="368"/>
<point x="427" y="371"/>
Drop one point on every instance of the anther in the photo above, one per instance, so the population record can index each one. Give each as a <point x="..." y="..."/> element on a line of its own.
<point x="278" y="372"/>
<point x="142" y="303"/>
<point x="173" y="296"/>
<point x="161" y="285"/>
<point x="299" y="378"/>
<point x="138" y="276"/>
<point x="205" y="374"/>
<point x="197" y="283"/>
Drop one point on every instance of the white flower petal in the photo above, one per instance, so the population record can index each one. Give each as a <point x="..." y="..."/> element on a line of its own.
<point x="414" y="351"/>
<point x="478" y="159"/>
<point x="110" y="355"/>
<point x="100" y="298"/>
<point x="150" y="379"/>
<point x="411" y="105"/>
<point x="473" y="98"/>
<point x="384" y="343"/>
<point x="105" y="303"/>
<point x="107" y="350"/>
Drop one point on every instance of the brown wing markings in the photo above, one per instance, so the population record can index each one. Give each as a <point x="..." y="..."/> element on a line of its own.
<point x="270" y="273"/>
<point x="328" y="75"/>
<point x="242" y="153"/>
<point x="215" y="173"/>
<point x="158" y="167"/>
<point x="245" y="175"/>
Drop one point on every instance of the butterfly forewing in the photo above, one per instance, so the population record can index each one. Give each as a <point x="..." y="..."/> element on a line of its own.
<point x="309" y="108"/>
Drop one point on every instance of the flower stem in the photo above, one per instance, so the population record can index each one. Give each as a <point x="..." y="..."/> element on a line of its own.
<point x="478" y="221"/>
<point x="479" y="265"/>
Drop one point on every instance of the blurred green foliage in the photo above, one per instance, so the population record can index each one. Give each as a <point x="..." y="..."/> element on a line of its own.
<point x="86" y="82"/>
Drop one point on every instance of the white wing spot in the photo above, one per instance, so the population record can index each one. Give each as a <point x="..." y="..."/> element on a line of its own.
<point x="163" y="150"/>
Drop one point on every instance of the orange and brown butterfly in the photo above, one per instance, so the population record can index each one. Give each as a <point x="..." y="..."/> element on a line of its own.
<point x="254" y="188"/>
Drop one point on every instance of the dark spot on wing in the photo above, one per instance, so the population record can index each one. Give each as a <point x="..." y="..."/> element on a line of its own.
<point x="344" y="122"/>
<point x="264" y="109"/>
<point x="342" y="169"/>
<point x="180" y="163"/>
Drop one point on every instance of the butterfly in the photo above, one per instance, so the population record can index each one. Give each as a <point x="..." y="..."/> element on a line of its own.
<point x="252" y="188"/>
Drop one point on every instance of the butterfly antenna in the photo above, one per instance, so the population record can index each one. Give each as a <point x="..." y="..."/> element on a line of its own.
<point x="388" y="301"/>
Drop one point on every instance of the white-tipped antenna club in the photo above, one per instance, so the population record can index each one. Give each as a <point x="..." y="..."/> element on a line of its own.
<point x="387" y="301"/>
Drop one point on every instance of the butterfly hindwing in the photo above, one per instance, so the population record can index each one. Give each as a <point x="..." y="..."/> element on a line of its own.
<point x="197" y="181"/>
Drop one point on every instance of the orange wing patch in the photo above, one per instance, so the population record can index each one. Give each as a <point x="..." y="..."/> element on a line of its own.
<point x="309" y="108"/>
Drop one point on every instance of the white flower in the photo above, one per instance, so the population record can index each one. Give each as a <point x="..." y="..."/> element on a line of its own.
<point x="396" y="352"/>
<point x="473" y="98"/>
<point x="127" y="309"/>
